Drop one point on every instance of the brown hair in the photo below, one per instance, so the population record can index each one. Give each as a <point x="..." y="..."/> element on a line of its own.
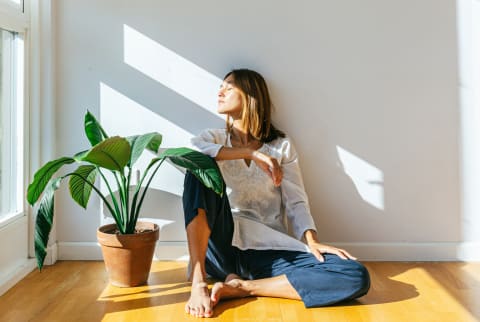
<point x="257" y="106"/>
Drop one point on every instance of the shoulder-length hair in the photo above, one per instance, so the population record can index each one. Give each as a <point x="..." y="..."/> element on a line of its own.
<point x="257" y="106"/>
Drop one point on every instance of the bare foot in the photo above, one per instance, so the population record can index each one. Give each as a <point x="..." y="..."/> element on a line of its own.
<point x="199" y="304"/>
<point x="231" y="288"/>
<point x="231" y="276"/>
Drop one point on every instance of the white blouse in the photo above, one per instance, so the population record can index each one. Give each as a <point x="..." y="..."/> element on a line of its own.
<point x="262" y="212"/>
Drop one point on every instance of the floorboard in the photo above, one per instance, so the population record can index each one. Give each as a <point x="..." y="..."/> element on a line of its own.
<point x="79" y="291"/>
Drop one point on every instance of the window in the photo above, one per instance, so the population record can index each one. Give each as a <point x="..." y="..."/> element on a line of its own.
<point x="12" y="5"/>
<point x="11" y="123"/>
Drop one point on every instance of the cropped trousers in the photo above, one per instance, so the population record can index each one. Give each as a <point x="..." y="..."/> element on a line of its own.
<point x="317" y="283"/>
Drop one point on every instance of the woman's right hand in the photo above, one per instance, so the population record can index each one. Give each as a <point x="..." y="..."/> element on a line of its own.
<point x="269" y="165"/>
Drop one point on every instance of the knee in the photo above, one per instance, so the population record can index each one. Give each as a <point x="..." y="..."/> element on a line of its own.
<point x="360" y="278"/>
<point x="194" y="188"/>
<point x="190" y="182"/>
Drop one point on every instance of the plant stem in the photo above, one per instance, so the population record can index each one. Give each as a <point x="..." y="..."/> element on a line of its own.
<point x="115" y="203"/>
<point x="127" y="204"/>
<point x="125" y="201"/>
<point x="134" y="209"/>
<point x="146" y="189"/>
<point x="122" y="197"/>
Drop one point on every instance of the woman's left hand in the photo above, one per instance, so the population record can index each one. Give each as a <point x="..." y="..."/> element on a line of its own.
<point x="318" y="249"/>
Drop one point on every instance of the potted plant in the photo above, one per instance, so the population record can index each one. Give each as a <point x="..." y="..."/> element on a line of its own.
<point x="116" y="155"/>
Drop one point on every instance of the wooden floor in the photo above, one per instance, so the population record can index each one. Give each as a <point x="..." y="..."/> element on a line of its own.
<point x="79" y="291"/>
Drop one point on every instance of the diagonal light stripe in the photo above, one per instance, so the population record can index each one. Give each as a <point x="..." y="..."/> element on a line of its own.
<point x="367" y="179"/>
<point x="170" y="69"/>
<point x="120" y="115"/>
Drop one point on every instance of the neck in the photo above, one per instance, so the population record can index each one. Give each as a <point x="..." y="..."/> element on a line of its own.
<point x="241" y="134"/>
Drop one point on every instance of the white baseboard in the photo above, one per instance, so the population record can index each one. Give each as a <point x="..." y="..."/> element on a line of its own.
<point x="175" y="250"/>
<point x="87" y="251"/>
<point x="52" y="255"/>
<point x="435" y="251"/>
<point x="11" y="278"/>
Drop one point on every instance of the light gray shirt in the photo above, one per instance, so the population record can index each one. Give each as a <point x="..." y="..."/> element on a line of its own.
<point x="262" y="212"/>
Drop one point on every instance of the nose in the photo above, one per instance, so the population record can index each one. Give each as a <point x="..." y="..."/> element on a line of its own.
<point x="221" y="93"/>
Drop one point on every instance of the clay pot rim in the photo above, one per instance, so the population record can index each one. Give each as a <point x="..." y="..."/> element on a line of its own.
<point x="128" y="240"/>
<point x="106" y="229"/>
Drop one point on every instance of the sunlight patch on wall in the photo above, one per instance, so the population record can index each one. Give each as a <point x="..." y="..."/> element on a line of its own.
<point x="468" y="35"/>
<point x="170" y="69"/>
<point x="367" y="179"/>
<point x="120" y="115"/>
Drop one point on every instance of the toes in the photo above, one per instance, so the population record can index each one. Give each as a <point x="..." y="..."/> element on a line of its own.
<point x="193" y="311"/>
<point x="208" y="312"/>
<point x="200" y="312"/>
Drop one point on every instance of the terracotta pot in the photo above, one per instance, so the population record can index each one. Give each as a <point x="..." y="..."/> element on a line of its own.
<point x="128" y="258"/>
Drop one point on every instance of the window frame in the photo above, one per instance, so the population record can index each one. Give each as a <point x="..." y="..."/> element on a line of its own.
<point x="15" y="19"/>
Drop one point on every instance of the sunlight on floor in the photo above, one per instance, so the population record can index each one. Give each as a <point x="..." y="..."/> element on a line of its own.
<point x="436" y="297"/>
<point x="164" y="296"/>
<point x="432" y="301"/>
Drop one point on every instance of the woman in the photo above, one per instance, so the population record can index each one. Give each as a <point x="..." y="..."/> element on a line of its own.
<point x="243" y="240"/>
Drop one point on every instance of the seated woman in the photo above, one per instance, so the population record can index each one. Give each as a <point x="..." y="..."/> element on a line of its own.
<point x="243" y="239"/>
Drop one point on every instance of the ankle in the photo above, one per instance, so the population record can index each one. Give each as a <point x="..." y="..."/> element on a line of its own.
<point x="247" y="286"/>
<point x="199" y="285"/>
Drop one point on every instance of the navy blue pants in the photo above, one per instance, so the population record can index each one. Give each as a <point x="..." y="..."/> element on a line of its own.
<point x="318" y="283"/>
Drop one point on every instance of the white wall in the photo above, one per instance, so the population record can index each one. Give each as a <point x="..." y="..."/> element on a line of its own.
<point x="368" y="91"/>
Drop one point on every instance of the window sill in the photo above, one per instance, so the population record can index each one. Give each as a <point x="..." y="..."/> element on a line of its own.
<point x="5" y="220"/>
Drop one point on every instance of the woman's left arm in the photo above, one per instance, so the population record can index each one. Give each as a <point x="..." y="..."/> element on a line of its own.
<point x="296" y="205"/>
<point x="294" y="197"/>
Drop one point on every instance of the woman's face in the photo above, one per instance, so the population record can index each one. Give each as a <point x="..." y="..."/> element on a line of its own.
<point x="230" y="99"/>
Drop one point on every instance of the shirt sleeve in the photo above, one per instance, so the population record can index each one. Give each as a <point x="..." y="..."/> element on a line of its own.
<point x="207" y="142"/>
<point x="294" y="197"/>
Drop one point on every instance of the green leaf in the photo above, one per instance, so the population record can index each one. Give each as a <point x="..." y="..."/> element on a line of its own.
<point x="80" y="155"/>
<point x="139" y="143"/>
<point x="112" y="153"/>
<point x="79" y="188"/>
<point x="202" y="166"/>
<point x="43" y="176"/>
<point x="44" y="221"/>
<point x="94" y="131"/>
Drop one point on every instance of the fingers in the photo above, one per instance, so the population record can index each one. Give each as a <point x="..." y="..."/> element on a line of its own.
<point x="318" y="251"/>
<point x="277" y="173"/>
<point x="274" y="170"/>
<point x="270" y="166"/>
<point x="347" y="254"/>
<point x="318" y="255"/>
<point x="342" y="253"/>
<point x="339" y="253"/>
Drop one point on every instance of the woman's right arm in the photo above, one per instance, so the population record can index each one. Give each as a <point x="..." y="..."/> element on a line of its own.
<point x="209" y="143"/>
<point x="265" y="162"/>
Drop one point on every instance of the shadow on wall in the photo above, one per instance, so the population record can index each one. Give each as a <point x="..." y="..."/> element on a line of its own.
<point x="122" y="115"/>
